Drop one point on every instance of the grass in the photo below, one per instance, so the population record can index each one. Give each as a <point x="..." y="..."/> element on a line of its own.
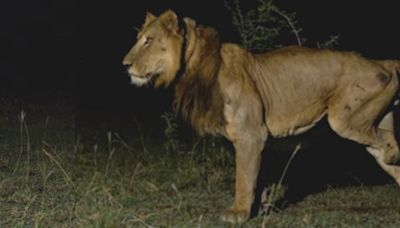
<point x="51" y="177"/>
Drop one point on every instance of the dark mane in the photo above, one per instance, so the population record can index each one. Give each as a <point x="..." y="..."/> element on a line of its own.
<point x="197" y="94"/>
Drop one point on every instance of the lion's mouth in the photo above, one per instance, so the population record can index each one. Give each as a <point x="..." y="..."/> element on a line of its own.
<point x="147" y="79"/>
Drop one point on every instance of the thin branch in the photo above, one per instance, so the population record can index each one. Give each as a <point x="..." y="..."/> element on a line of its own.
<point x="291" y="24"/>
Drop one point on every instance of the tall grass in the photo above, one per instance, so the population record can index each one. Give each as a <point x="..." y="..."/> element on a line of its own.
<point x="275" y="191"/>
<point x="118" y="184"/>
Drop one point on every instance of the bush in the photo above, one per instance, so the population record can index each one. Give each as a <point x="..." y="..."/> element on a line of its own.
<point x="260" y="27"/>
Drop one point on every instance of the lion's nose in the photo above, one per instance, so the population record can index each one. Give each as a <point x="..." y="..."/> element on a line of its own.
<point x="127" y="61"/>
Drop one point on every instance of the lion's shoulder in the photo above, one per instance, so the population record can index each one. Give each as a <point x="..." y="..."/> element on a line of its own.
<point x="231" y="49"/>
<point x="233" y="54"/>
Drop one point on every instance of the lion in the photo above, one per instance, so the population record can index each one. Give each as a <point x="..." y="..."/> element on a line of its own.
<point x="223" y="89"/>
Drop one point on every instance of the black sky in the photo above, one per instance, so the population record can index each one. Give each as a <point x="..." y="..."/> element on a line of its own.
<point x="62" y="47"/>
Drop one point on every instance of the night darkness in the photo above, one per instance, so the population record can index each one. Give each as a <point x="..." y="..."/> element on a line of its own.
<point x="70" y="51"/>
<point x="74" y="49"/>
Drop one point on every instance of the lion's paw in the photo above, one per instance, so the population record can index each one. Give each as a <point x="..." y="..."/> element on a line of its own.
<point x="235" y="216"/>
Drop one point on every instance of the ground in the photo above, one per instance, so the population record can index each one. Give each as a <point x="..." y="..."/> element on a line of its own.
<point x="51" y="175"/>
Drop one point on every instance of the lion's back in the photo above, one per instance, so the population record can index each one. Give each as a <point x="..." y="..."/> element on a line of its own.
<point x="296" y="84"/>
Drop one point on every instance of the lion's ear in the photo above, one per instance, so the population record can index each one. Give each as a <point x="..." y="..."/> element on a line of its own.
<point x="170" y="21"/>
<point x="190" y="23"/>
<point x="149" y="18"/>
<point x="190" y="26"/>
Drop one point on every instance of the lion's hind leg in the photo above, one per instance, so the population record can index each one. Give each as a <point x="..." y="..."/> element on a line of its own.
<point x="355" y="114"/>
<point x="387" y="123"/>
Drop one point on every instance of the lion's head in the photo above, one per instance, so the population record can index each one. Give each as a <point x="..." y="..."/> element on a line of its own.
<point x="156" y="55"/>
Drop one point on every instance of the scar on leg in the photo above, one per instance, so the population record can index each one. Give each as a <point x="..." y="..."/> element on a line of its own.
<point x="383" y="78"/>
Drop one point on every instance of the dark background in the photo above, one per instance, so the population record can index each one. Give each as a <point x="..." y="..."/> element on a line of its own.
<point x="54" y="50"/>
<point x="70" y="51"/>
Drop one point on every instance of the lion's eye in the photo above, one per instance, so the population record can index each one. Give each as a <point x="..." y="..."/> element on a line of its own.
<point x="147" y="40"/>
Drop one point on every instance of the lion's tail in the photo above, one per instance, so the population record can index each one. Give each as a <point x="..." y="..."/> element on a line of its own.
<point x="397" y="72"/>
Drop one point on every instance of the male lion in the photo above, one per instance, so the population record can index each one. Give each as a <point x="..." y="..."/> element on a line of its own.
<point x="223" y="89"/>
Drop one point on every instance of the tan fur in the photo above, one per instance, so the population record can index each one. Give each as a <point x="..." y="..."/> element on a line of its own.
<point x="224" y="89"/>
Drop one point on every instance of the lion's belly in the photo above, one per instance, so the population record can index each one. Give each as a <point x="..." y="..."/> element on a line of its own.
<point x="283" y="123"/>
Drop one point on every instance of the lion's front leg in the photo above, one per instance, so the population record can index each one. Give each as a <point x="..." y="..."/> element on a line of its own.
<point x="248" y="157"/>
<point x="246" y="129"/>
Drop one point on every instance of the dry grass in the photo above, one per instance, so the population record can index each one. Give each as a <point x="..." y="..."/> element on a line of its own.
<point x="49" y="177"/>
